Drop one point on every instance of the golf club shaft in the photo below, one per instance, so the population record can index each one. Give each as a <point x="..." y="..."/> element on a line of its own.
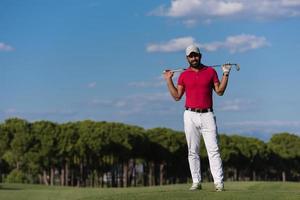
<point x="174" y="70"/>
<point x="182" y="69"/>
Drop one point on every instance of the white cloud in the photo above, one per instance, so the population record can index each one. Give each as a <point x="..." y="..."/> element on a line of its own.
<point x="290" y="2"/>
<point x="138" y="104"/>
<point x="154" y="83"/>
<point x="100" y="102"/>
<point x="190" y="22"/>
<point x="173" y="45"/>
<point x="121" y="103"/>
<point x="271" y="126"/>
<point x="236" y="105"/>
<point x="180" y="8"/>
<point x="5" y="47"/>
<point x="92" y="85"/>
<point x="236" y="9"/>
<point x="223" y="8"/>
<point x="244" y="42"/>
<point x="261" y="129"/>
<point x="41" y="114"/>
<point x="231" y="105"/>
<point x="271" y="123"/>
<point x="11" y="111"/>
<point x="237" y="43"/>
<point x="144" y="84"/>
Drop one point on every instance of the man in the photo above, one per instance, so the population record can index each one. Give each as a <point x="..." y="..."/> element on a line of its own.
<point x="198" y="82"/>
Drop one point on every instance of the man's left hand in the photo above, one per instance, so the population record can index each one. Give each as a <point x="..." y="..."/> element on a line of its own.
<point x="226" y="68"/>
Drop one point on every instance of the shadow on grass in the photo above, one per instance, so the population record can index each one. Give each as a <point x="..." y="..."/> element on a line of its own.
<point x="9" y="188"/>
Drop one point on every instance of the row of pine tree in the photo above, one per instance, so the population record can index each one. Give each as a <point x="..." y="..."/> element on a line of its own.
<point x="109" y="154"/>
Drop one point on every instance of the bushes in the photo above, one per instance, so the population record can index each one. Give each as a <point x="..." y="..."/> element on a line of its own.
<point x="17" y="176"/>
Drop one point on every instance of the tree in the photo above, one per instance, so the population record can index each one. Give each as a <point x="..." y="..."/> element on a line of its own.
<point x="4" y="145"/>
<point x="124" y="149"/>
<point x="230" y="155"/>
<point x="168" y="152"/>
<point x="67" y="152"/>
<point x="286" y="147"/>
<point x="89" y="153"/>
<point x="18" y="137"/>
<point x="46" y="135"/>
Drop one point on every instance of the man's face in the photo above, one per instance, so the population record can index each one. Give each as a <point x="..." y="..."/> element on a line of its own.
<point x="194" y="59"/>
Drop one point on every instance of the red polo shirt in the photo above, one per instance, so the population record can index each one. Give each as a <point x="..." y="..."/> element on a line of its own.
<point x="198" y="86"/>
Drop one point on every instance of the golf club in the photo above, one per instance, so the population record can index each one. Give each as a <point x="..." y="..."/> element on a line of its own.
<point x="237" y="67"/>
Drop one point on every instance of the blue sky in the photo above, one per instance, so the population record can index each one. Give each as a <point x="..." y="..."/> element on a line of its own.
<point x="102" y="60"/>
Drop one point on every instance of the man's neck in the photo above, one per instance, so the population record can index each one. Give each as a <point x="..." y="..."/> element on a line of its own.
<point x="197" y="68"/>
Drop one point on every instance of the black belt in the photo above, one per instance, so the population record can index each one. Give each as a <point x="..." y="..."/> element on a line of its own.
<point x="199" y="110"/>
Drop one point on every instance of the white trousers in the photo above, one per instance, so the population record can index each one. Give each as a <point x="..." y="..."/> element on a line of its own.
<point x="195" y="125"/>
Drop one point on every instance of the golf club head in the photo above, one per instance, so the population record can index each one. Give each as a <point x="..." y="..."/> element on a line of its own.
<point x="237" y="67"/>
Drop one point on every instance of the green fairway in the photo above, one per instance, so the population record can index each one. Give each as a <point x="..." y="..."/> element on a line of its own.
<point x="234" y="190"/>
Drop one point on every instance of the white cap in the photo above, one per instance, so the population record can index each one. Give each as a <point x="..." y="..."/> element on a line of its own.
<point x="192" y="48"/>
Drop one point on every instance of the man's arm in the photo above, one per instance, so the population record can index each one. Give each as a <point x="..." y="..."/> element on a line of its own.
<point x="221" y="87"/>
<point x="176" y="93"/>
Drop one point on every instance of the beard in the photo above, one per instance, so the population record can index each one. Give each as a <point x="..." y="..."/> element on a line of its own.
<point x="195" y="63"/>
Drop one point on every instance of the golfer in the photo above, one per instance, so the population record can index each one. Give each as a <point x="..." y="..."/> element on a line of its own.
<point x="198" y="82"/>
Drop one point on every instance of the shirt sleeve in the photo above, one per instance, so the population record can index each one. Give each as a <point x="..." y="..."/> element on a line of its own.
<point x="215" y="77"/>
<point x="180" y="80"/>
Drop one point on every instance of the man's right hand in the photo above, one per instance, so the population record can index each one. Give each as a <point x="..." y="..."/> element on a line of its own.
<point x="168" y="74"/>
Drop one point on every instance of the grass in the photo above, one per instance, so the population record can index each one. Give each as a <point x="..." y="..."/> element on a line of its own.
<point x="234" y="191"/>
